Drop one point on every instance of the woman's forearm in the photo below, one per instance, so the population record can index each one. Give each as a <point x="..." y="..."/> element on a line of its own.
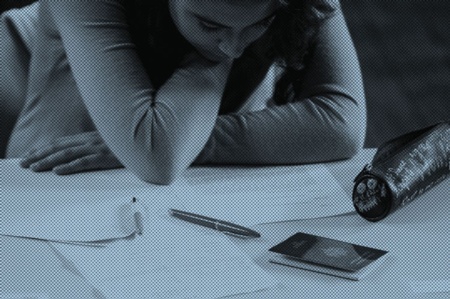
<point x="325" y="120"/>
<point x="170" y="133"/>
<point x="153" y="136"/>
<point x="313" y="130"/>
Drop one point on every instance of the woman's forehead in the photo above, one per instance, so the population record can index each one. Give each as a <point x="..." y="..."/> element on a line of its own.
<point x="232" y="12"/>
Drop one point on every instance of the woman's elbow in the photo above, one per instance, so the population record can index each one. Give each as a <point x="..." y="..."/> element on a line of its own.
<point x="158" y="171"/>
<point x="350" y="138"/>
<point x="157" y="178"/>
<point x="351" y="144"/>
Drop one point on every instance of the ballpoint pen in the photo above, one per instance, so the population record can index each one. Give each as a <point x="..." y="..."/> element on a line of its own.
<point x="223" y="226"/>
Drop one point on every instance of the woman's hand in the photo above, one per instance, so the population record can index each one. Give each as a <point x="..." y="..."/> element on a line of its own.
<point x="72" y="154"/>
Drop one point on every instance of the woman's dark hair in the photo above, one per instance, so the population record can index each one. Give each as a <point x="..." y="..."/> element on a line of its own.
<point x="295" y="27"/>
<point x="288" y="38"/>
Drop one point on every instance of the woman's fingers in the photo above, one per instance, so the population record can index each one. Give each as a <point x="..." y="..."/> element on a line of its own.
<point x="60" y="157"/>
<point x="92" y="162"/>
<point x="71" y="154"/>
<point x="77" y="165"/>
<point x="37" y="155"/>
<point x="85" y="137"/>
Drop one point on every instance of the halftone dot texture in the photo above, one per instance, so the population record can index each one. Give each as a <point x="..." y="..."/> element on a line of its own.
<point x="403" y="47"/>
<point x="403" y="50"/>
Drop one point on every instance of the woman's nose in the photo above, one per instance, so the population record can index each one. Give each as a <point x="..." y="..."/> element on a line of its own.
<point x="232" y="45"/>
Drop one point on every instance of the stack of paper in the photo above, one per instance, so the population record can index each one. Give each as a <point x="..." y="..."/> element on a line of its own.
<point x="93" y="206"/>
<point x="171" y="259"/>
<point x="254" y="195"/>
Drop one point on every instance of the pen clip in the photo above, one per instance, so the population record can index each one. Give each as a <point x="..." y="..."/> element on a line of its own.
<point x="235" y="235"/>
<point x="217" y="227"/>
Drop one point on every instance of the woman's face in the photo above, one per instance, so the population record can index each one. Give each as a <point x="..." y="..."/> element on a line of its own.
<point x="222" y="29"/>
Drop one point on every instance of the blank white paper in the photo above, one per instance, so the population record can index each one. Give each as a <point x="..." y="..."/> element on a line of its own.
<point x="172" y="259"/>
<point x="254" y="195"/>
<point x="94" y="206"/>
<point x="430" y="286"/>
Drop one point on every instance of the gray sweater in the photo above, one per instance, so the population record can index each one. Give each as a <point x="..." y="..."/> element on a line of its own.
<point x="84" y="74"/>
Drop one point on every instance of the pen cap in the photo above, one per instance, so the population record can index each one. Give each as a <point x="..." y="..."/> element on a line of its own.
<point x="402" y="170"/>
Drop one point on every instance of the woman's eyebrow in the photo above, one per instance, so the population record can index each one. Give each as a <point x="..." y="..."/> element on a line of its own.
<point x="205" y="19"/>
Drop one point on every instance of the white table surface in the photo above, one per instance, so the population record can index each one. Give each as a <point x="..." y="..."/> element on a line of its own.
<point x="416" y="236"/>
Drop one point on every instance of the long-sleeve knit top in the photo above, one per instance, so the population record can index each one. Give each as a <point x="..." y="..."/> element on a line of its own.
<point x="85" y="74"/>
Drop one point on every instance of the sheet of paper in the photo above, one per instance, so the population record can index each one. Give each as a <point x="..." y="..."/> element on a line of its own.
<point x="81" y="207"/>
<point x="94" y="205"/>
<point x="172" y="259"/>
<point x="25" y="296"/>
<point x="254" y="195"/>
<point x="430" y="286"/>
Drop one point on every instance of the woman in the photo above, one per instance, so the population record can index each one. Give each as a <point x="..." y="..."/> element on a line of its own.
<point x="170" y="82"/>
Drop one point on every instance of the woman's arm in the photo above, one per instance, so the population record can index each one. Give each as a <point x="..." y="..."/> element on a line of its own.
<point x="170" y="133"/>
<point x="327" y="121"/>
<point x="154" y="136"/>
